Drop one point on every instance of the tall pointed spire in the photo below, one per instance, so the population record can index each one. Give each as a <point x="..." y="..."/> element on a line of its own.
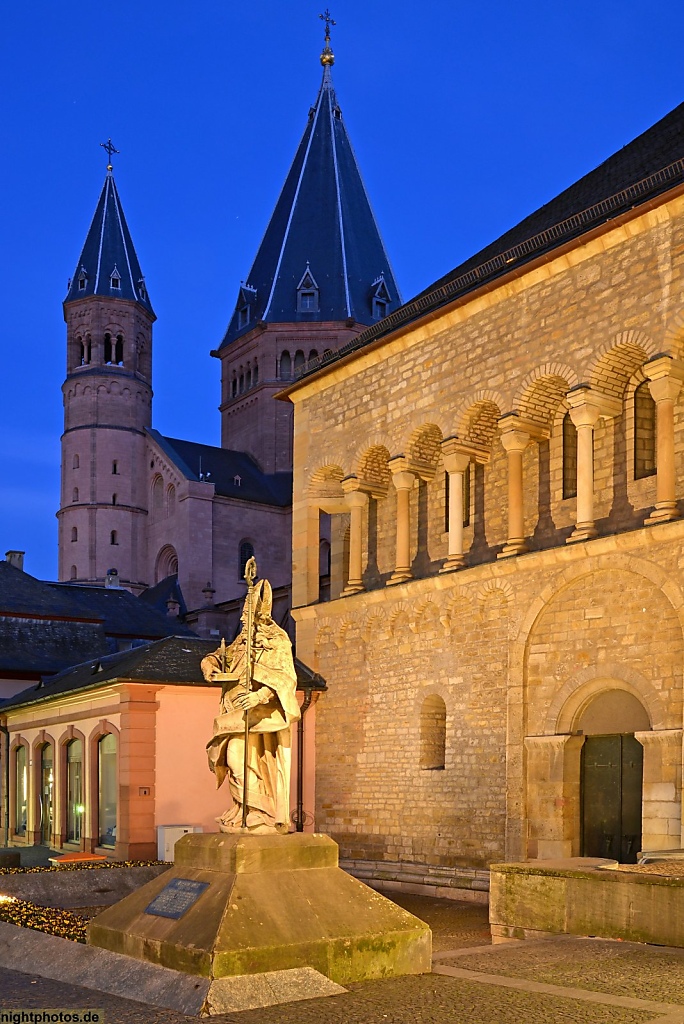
<point x="322" y="222"/>
<point x="108" y="264"/>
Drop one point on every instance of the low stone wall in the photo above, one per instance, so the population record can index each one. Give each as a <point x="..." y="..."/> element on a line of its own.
<point x="467" y="884"/>
<point x="84" y="887"/>
<point x="583" y="896"/>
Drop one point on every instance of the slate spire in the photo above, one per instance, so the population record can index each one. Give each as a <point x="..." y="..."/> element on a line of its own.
<point x="108" y="264"/>
<point x="322" y="230"/>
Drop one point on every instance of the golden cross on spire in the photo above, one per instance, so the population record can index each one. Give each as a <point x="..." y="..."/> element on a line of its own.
<point x="110" y="148"/>
<point x="327" y="57"/>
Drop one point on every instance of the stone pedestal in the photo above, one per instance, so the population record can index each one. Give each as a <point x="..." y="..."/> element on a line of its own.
<point x="263" y="904"/>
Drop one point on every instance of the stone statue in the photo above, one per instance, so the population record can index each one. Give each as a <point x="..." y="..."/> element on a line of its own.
<point x="258" y="704"/>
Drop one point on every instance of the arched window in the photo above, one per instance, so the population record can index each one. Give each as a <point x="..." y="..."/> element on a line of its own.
<point x="113" y="499"/>
<point x="644" y="432"/>
<point x="171" y="499"/>
<point x="107" y="790"/>
<point x="74" y="496"/>
<point x="115" y="467"/>
<point x="255" y="374"/>
<point x="74" y="533"/>
<point x="74" y="572"/>
<point x="242" y="382"/>
<point x="158" y="496"/>
<point x="433" y="733"/>
<point x="299" y="360"/>
<point x="569" y="457"/>
<point x="234" y="387"/>
<point x="46" y="797"/>
<point x="246" y="552"/>
<point x="20" y="790"/>
<point x="74" y="791"/>
<point x="76" y="462"/>
<point x="248" y="377"/>
<point x="108" y="348"/>
<point x="313" y="354"/>
<point x="88" y="349"/>
<point x="81" y="352"/>
<point x="285" y="366"/>
<point x="113" y="537"/>
<point x="119" y="350"/>
<point x="166" y="564"/>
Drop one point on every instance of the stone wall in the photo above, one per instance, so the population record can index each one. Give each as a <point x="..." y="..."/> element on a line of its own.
<point x="516" y="647"/>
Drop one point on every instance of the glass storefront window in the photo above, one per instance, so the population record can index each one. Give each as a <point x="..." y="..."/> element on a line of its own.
<point x="75" y="806"/>
<point x="108" y="789"/>
<point x="47" y="781"/>
<point x="21" y="792"/>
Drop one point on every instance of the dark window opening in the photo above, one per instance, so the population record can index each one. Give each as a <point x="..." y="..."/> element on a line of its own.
<point x="113" y="537"/>
<point x="108" y="348"/>
<point x="569" y="457"/>
<point x="644" y="432"/>
<point x="246" y="552"/>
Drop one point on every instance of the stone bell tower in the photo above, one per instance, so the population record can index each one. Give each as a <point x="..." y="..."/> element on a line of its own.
<point x="107" y="406"/>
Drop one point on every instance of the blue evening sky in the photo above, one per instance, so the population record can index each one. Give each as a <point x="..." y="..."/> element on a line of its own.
<point x="464" y="116"/>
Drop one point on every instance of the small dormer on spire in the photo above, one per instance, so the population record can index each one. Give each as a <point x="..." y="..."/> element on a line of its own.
<point x="327" y="56"/>
<point x="380" y="298"/>
<point x="307" y="293"/>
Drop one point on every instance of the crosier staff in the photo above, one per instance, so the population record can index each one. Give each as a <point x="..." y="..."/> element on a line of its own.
<point x="250" y="576"/>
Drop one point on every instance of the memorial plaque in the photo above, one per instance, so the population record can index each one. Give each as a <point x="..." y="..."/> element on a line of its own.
<point x="176" y="898"/>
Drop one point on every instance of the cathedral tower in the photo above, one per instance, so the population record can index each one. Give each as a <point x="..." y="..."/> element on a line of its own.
<point x="107" y="406"/>
<point x="320" y="276"/>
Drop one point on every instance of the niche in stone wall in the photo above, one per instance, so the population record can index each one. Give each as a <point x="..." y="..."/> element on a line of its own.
<point x="433" y="733"/>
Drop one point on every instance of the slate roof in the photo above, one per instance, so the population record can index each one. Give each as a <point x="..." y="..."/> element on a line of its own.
<point x="647" y="167"/>
<point x="109" y="250"/>
<point x="166" y="590"/>
<point x="175" y="660"/>
<point x="45" y="627"/>
<point x="322" y="221"/>
<point x="221" y="467"/>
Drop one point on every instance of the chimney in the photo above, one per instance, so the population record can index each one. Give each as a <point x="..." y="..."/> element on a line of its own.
<point x="172" y="608"/>
<point x="15" y="558"/>
<point x="112" y="579"/>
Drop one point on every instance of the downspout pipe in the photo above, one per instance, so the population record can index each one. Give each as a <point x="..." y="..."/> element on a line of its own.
<point x="299" y="818"/>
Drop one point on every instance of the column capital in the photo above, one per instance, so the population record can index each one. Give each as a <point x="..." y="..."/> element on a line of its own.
<point x="354" y="497"/>
<point x="403" y="476"/>
<point x="512" y="423"/>
<point x="664" y="366"/>
<point x="455" y="446"/>
<point x="588" y="405"/>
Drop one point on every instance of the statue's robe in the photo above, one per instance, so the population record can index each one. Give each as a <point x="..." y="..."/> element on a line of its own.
<point x="269" y="757"/>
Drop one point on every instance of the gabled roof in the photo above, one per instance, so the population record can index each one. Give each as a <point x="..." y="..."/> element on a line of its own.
<point x="233" y="474"/>
<point x="123" y="614"/>
<point x="647" y="167"/>
<point x="174" y="660"/>
<point x="108" y="252"/>
<point x="323" y="218"/>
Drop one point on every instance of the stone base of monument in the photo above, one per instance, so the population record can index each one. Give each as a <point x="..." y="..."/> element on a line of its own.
<point x="251" y="912"/>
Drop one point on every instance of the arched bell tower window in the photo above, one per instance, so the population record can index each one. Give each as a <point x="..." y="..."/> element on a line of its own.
<point x="108" y="349"/>
<point x="234" y="386"/>
<point x="119" y="350"/>
<point x="285" y="366"/>
<point x="307" y="293"/>
<point x="255" y="373"/>
<point x="299" y="361"/>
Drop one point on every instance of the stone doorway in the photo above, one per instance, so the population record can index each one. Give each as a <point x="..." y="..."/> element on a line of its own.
<point x="611" y="788"/>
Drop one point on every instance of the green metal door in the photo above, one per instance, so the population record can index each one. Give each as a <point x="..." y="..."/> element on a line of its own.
<point x="612" y="776"/>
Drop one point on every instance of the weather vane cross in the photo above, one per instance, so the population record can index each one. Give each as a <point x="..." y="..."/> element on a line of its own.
<point x="111" y="148"/>
<point x="326" y="17"/>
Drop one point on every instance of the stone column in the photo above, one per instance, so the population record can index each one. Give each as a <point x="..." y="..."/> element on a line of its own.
<point x="661" y="826"/>
<point x="514" y="440"/>
<point x="456" y="464"/>
<point x="357" y="501"/>
<point x="586" y="408"/>
<point x="403" y="479"/>
<point x="664" y="383"/>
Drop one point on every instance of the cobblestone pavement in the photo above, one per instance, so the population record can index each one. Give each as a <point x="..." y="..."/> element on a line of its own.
<point x="558" y="981"/>
<point x="617" y="968"/>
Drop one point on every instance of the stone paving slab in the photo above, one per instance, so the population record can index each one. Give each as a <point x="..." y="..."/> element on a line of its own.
<point x="417" y="999"/>
<point x="614" y="968"/>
